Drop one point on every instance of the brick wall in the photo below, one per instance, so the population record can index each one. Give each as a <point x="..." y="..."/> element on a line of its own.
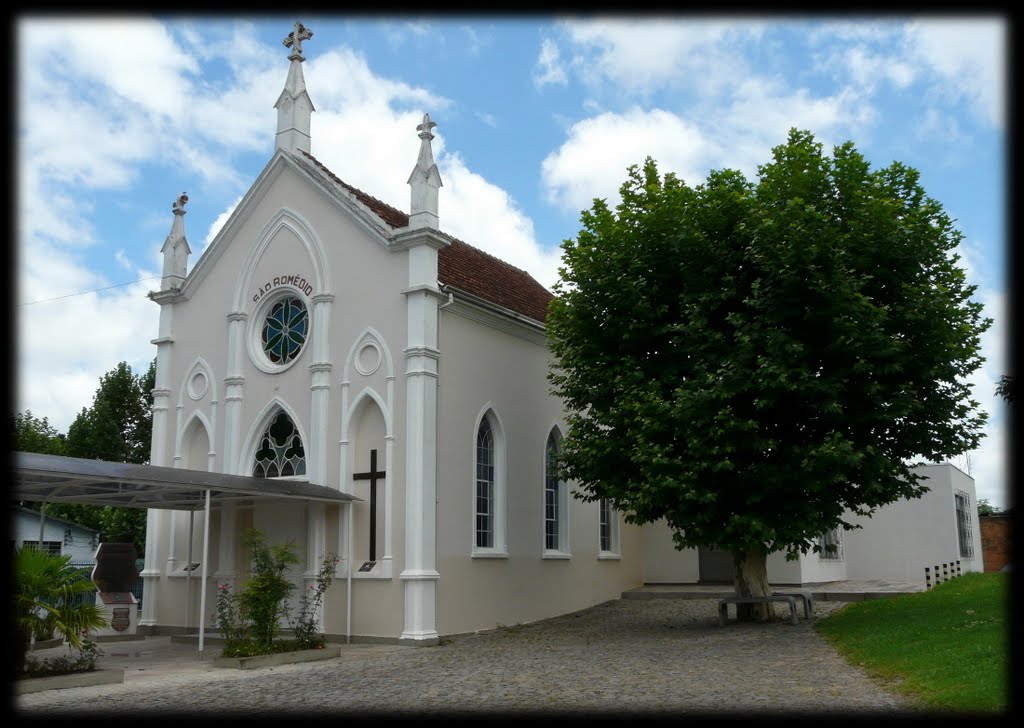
<point x="996" y="546"/>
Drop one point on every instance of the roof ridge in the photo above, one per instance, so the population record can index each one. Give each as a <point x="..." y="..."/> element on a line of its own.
<point x="355" y="190"/>
<point x="362" y="193"/>
<point x="465" y="266"/>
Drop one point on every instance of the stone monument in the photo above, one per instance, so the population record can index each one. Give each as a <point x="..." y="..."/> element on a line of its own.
<point x="114" y="574"/>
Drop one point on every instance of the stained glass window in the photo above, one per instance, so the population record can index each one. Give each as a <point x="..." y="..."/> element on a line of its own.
<point x="285" y="329"/>
<point x="280" y="452"/>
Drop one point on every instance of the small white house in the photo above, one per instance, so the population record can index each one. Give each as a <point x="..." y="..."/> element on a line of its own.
<point x="896" y="543"/>
<point x="59" y="536"/>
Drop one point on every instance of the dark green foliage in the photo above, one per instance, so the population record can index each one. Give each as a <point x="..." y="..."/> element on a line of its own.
<point x="119" y="424"/>
<point x="748" y="361"/>
<point x="46" y="600"/>
<point x="987" y="509"/>
<point x="250" y="619"/>
<point x="306" y="626"/>
<point x="32" y="434"/>
<point x="117" y="427"/>
<point x="1007" y="388"/>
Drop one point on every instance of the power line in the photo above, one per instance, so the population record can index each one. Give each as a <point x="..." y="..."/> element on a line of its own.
<point x="95" y="290"/>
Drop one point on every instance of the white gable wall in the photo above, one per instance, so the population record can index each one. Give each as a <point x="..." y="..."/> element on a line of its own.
<point x="299" y="224"/>
<point x="899" y="540"/>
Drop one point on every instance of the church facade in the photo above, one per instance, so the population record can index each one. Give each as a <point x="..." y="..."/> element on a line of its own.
<point x="328" y="337"/>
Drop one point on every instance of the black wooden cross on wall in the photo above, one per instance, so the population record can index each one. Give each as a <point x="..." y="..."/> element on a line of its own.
<point x="372" y="476"/>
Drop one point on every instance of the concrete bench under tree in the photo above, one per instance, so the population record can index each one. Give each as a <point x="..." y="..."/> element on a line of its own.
<point x="806" y="597"/>
<point x="723" y="605"/>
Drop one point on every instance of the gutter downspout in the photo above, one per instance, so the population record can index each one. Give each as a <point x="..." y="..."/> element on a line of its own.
<point x="206" y="560"/>
<point x="348" y="586"/>
<point x="188" y="574"/>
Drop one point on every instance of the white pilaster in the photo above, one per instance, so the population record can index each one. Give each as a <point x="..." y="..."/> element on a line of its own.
<point x="233" y="392"/>
<point x="320" y="389"/>
<point x="175" y="252"/>
<point x="421" y="365"/>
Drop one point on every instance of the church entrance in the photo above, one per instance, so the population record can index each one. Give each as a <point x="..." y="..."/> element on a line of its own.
<point x="714" y="566"/>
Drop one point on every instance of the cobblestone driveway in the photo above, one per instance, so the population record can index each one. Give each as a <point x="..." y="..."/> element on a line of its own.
<point x="622" y="657"/>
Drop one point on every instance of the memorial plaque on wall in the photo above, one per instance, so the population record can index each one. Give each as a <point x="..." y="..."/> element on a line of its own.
<point x="115" y="567"/>
<point x="120" y="618"/>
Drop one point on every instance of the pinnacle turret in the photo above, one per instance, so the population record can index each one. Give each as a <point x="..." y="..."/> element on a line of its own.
<point x="424" y="181"/>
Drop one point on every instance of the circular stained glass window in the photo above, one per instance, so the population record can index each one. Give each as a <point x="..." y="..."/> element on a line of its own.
<point x="284" y="330"/>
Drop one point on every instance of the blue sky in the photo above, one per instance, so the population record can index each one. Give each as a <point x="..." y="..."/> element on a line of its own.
<point x="536" y="117"/>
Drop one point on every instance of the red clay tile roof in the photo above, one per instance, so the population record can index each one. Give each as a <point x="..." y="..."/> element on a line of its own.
<point x="464" y="267"/>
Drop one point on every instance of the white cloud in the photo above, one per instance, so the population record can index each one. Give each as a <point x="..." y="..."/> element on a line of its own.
<point x="214" y="228"/>
<point x="548" y="69"/>
<point x="641" y="55"/>
<point x="867" y="68"/>
<point x="965" y="56"/>
<point x="740" y="134"/>
<point x="490" y="220"/>
<point x="592" y="163"/>
<point x="65" y="345"/>
<point x="133" y="60"/>
<point x="474" y="43"/>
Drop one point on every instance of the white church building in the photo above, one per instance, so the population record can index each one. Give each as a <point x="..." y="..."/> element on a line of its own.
<point x="327" y="337"/>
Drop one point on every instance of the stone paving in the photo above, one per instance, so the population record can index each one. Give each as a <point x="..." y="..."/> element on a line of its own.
<point x="624" y="657"/>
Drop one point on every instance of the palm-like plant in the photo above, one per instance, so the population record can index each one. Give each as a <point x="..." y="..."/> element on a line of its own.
<point x="46" y="599"/>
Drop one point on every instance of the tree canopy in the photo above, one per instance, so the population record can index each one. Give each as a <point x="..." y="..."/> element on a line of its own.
<point x="119" y="424"/>
<point x="751" y="360"/>
<point x="116" y="427"/>
<point x="34" y="434"/>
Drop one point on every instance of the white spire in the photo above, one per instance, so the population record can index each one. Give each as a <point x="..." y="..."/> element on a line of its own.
<point x="294" y="106"/>
<point x="424" y="181"/>
<point x="175" y="249"/>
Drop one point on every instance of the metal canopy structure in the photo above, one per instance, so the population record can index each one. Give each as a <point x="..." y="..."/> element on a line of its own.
<point x="59" y="479"/>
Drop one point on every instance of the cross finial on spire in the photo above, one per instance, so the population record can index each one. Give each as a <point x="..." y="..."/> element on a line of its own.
<point x="425" y="127"/>
<point x="179" y="204"/>
<point x="294" y="41"/>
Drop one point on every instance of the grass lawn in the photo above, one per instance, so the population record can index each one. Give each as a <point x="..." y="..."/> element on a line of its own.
<point x="948" y="647"/>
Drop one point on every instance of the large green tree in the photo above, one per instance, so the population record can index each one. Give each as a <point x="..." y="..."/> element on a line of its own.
<point x="34" y="434"/>
<point x="752" y="361"/>
<point x="118" y="424"/>
<point x="116" y="427"/>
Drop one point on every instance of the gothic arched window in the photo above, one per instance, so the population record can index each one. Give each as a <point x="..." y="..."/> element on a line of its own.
<point x="279" y="453"/>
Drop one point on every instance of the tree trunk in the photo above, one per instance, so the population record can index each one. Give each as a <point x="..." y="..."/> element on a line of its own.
<point x="750" y="578"/>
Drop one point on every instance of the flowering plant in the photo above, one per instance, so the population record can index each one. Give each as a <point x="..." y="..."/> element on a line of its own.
<point x="307" y="625"/>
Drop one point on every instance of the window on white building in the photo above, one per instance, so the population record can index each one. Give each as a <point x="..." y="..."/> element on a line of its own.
<point x="831" y="543"/>
<point x="280" y="453"/>
<point x="50" y="547"/>
<point x="964" y="532"/>
<point x="608" y="528"/>
<point x="556" y="510"/>
<point x="488" y="489"/>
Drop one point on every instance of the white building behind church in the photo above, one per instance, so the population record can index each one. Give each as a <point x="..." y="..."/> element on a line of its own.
<point x="328" y="337"/>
